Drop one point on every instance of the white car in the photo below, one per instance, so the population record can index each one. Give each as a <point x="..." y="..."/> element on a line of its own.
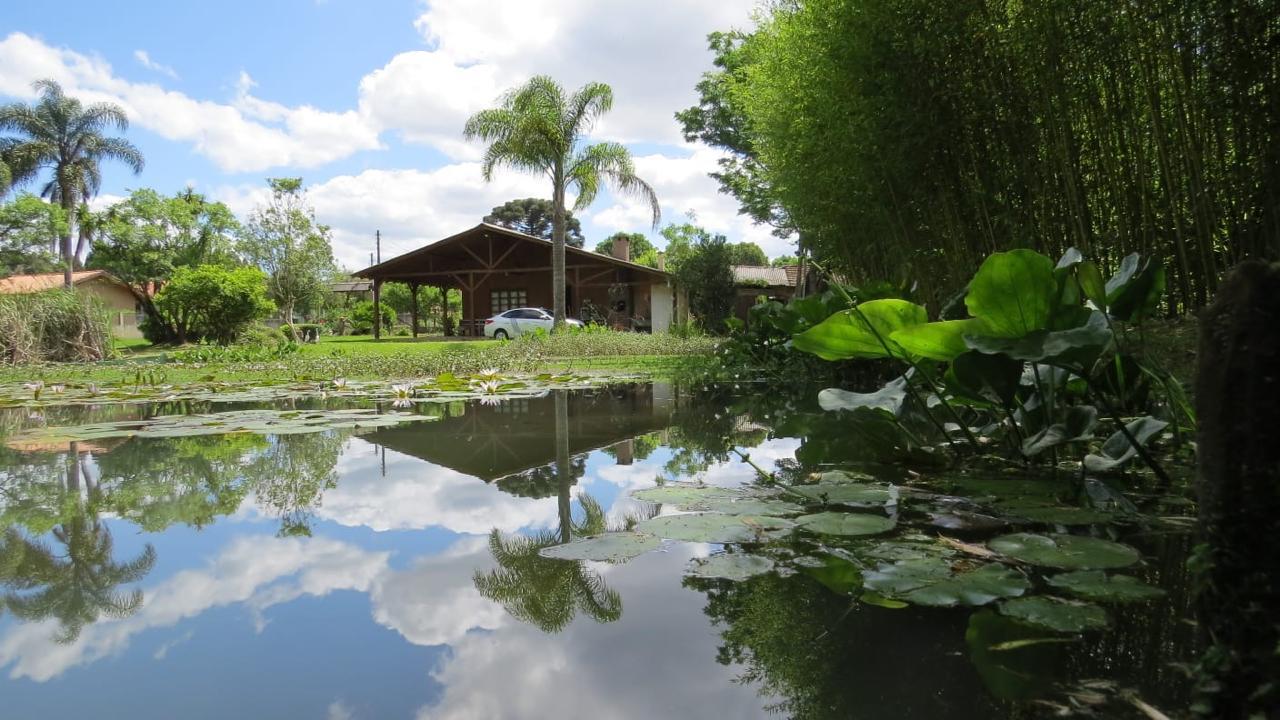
<point x="515" y="322"/>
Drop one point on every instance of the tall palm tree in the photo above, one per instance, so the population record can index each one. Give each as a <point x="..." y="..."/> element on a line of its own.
<point x="69" y="139"/>
<point x="540" y="130"/>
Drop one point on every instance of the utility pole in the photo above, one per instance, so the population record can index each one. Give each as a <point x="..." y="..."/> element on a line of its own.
<point x="378" y="235"/>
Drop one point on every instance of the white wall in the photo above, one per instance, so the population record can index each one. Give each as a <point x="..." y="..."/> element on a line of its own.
<point x="663" y="305"/>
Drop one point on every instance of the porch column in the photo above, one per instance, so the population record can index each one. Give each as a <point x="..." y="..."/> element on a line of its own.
<point x="413" y="307"/>
<point x="444" y="309"/>
<point x="377" y="309"/>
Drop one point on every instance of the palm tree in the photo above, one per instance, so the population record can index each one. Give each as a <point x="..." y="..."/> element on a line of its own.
<point x="67" y="137"/>
<point x="539" y="130"/>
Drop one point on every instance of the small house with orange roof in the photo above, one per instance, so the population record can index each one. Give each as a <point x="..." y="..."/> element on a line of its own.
<point x="121" y="301"/>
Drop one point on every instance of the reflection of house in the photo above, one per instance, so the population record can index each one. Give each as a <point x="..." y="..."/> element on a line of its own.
<point x="774" y="283"/>
<point x="497" y="269"/>
<point x="119" y="299"/>
<point x="519" y="435"/>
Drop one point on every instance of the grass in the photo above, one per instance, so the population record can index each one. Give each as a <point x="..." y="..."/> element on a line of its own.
<point x="362" y="357"/>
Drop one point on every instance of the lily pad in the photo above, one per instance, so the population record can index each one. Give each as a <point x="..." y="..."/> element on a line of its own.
<point x="745" y="506"/>
<point x="848" y="524"/>
<point x="715" y="527"/>
<point x="609" y="547"/>
<point x="932" y="582"/>
<point x="684" y="494"/>
<point x="838" y="574"/>
<point x="735" y="566"/>
<point x="1069" y="552"/>
<point x="1097" y="585"/>
<point x="852" y="495"/>
<point x="1056" y="614"/>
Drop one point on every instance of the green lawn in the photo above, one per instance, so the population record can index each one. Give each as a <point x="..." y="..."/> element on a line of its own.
<point x="365" y="344"/>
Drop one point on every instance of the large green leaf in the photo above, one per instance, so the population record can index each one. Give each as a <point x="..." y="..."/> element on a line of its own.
<point x="1091" y="282"/>
<point x="1097" y="585"/>
<point x="1077" y="347"/>
<point x="1117" y="450"/>
<point x="1013" y="293"/>
<point x="685" y="494"/>
<point x="941" y="340"/>
<point x="931" y="582"/>
<point x="846" y="524"/>
<point x="1056" y="613"/>
<point x="887" y="398"/>
<point x="1076" y="426"/>
<point x="850" y="494"/>
<point x="715" y="527"/>
<point x="993" y="378"/>
<point x="1135" y="290"/>
<point x="853" y="333"/>
<point x="836" y="573"/>
<point x="1069" y="552"/>
<point x="609" y="547"/>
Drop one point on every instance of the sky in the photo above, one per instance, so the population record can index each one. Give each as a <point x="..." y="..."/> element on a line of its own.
<point x="366" y="100"/>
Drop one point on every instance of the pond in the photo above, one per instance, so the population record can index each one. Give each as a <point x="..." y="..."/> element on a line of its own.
<point x="321" y="557"/>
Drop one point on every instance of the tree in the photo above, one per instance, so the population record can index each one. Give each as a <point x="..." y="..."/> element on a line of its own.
<point x="283" y="238"/>
<point x="747" y="253"/>
<point x="539" y="130"/>
<point x="705" y="274"/>
<point x="642" y="251"/>
<point x="29" y="229"/>
<point x="212" y="302"/>
<point x="785" y="260"/>
<point x="67" y="137"/>
<point x="145" y="238"/>
<point x="535" y="216"/>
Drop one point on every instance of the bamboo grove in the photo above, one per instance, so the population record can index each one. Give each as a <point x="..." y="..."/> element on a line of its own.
<point x="908" y="139"/>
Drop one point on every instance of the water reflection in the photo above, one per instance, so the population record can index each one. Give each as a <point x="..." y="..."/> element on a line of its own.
<point x="395" y="573"/>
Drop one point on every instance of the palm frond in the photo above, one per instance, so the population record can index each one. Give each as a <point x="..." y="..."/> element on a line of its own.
<point x="612" y="163"/>
<point x="585" y="107"/>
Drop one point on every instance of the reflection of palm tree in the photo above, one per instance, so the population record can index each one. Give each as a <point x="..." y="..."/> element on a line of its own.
<point x="543" y="591"/>
<point x="79" y="586"/>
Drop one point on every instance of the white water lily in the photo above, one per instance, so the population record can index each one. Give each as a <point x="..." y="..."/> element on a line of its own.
<point x="490" y="400"/>
<point x="488" y="374"/>
<point x="401" y="403"/>
<point x="402" y="391"/>
<point x="57" y="388"/>
<point x="340" y="383"/>
<point x="488" y="386"/>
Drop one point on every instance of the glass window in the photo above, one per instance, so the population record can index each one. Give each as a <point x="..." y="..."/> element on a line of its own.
<point x="503" y="300"/>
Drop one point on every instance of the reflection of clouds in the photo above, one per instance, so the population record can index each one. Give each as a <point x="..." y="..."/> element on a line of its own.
<point x="163" y="651"/>
<point x="658" y="660"/>
<point x="259" y="571"/>
<point x="415" y="494"/>
<point x="766" y="455"/>
<point x="434" y="602"/>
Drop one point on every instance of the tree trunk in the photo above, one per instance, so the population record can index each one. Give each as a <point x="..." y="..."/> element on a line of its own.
<point x="288" y="319"/>
<point x="557" y="252"/>
<point x="377" y="309"/>
<point x="69" y="207"/>
<point x="1238" y="403"/>
<point x="563" y="475"/>
<point x="413" y="308"/>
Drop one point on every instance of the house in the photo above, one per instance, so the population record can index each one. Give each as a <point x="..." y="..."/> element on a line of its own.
<point x="120" y="300"/>
<point x="774" y="283"/>
<point x="496" y="269"/>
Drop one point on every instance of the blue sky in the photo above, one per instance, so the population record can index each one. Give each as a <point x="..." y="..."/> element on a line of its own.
<point x="366" y="100"/>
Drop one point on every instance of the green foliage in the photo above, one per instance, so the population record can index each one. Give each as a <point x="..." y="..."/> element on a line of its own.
<point x="29" y="230"/>
<point x="54" y="326"/>
<point x="283" y="239"/>
<point x="747" y="253"/>
<point x="144" y="238"/>
<point x="534" y="216"/>
<point x="361" y="315"/>
<point x="641" y="250"/>
<point x="704" y="275"/>
<point x="213" y="303"/>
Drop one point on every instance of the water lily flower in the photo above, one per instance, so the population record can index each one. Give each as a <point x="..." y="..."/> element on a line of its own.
<point x="401" y="403"/>
<point x="488" y="386"/>
<point x="402" y="391"/>
<point x="490" y="400"/>
<point x="340" y="383"/>
<point x="57" y="388"/>
<point x="488" y="374"/>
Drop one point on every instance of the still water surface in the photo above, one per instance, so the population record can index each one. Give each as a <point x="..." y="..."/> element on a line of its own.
<point x="382" y="574"/>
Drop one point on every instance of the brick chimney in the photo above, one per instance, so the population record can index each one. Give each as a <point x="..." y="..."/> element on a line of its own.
<point x="662" y="261"/>
<point x="622" y="248"/>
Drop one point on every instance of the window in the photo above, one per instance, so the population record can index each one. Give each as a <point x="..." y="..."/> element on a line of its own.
<point x="503" y="300"/>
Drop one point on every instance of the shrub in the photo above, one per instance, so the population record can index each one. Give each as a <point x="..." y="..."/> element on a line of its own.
<point x="362" y="317"/>
<point x="401" y="330"/>
<point x="262" y="336"/>
<point x="706" y="277"/>
<point x="214" y="303"/>
<point x="55" y="326"/>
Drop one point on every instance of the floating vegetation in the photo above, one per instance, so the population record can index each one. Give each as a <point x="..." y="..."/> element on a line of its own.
<point x="716" y="527"/>
<point x="846" y="524"/>
<point x="937" y="583"/>
<point x="1097" y="585"/>
<point x="609" y="547"/>
<point x="264" y="422"/>
<point x="1057" y="614"/>
<point x="1068" y="552"/>
<point x="736" y="566"/>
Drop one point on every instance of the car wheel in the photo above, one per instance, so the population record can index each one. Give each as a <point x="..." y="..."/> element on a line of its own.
<point x="499" y="334"/>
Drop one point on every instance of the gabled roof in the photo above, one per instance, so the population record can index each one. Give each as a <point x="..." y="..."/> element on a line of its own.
<point x="770" y="276"/>
<point x="40" y="282"/>
<point x="388" y="267"/>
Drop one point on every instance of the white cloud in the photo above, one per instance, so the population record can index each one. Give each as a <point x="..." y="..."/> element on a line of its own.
<point x="228" y="135"/>
<point x="144" y="59"/>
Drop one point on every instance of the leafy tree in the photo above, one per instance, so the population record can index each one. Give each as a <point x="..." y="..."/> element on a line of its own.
<point x="540" y="130"/>
<point x="68" y="138"/>
<point x="535" y="216"/>
<point x="642" y="251"/>
<point x="785" y="260"/>
<point x="213" y="302"/>
<point x="361" y="316"/>
<point x="283" y="238"/>
<point x="396" y="297"/>
<point x="747" y="253"/>
<point x="704" y="272"/>
<point x="29" y="228"/>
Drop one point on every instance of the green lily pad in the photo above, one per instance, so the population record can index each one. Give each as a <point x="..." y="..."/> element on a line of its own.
<point x="838" y="574"/>
<point x="715" y="527"/>
<point x="736" y="566"/>
<point x="932" y="582"/>
<point x="1097" y="585"/>
<point x="609" y="547"/>
<point x="838" y="523"/>
<point x="745" y="506"/>
<point x="1056" y="614"/>
<point x="834" y="477"/>
<point x="852" y="495"/>
<point x="895" y="550"/>
<point x="684" y="494"/>
<point x="1069" y="552"/>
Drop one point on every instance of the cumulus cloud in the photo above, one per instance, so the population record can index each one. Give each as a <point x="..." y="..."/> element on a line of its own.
<point x="144" y="59"/>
